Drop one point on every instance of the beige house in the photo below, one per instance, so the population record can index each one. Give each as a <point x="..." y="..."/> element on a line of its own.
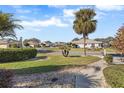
<point x="8" y="43"/>
<point x="4" y="44"/>
<point x="89" y="43"/>
<point x="33" y="44"/>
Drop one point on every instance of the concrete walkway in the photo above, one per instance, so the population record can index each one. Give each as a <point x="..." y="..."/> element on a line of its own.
<point x="92" y="76"/>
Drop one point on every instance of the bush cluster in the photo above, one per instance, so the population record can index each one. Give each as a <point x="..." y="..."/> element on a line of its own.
<point x="6" y="78"/>
<point x="108" y="59"/>
<point x="17" y="54"/>
<point x="114" y="76"/>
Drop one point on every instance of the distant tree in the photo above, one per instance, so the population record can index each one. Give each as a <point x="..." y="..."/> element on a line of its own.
<point x="32" y="39"/>
<point x="119" y="40"/>
<point x="84" y="23"/>
<point x="7" y="25"/>
<point x="26" y="41"/>
<point x="48" y="42"/>
<point x="75" y="39"/>
<point x="107" y="41"/>
<point x="35" y="40"/>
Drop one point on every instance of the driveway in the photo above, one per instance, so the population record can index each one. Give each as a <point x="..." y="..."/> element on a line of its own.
<point x="92" y="76"/>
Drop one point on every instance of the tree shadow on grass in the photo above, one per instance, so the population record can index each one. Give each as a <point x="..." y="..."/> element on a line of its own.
<point x="45" y="51"/>
<point x="97" y="68"/>
<point x="38" y="58"/>
<point x="74" y="56"/>
<point x="85" y="81"/>
<point x="42" y="69"/>
<point x="79" y="80"/>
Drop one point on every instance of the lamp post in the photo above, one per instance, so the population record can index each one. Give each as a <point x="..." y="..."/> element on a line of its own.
<point x="104" y="51"/>
<point x="21" y="42"/>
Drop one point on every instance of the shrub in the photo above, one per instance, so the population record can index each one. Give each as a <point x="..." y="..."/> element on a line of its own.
<point x="13" y="46"/>
<point x="65" y="50"/>
<point x="17" y="54"/>
<point x="108" y="59"/>
<point x="114" y="76"/>
<point x="6" y="78"/>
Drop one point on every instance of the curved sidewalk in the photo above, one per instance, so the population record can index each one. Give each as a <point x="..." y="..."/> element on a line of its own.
<point x="92" y="76"/>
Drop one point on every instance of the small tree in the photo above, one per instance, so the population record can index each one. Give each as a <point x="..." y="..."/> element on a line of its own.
<point x="119" y="41"/>
<point x="65" y="50"/>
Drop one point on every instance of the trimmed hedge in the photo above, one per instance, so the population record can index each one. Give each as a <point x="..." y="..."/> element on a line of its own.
<point x="17" y="54"/>
<point x="115" y="76"/>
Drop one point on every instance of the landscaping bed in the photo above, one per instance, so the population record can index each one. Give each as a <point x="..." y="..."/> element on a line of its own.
<point x="55" y="79"/>
<point x="115" y="76"/>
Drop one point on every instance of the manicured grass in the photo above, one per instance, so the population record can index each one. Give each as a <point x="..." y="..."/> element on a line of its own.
<point x="52" y="48"/>
<point x="81" y="49"/>
<point x="54" y="62"/>
<point x="115" y="76"/>
<point x="110" y="50"/>
<point x="72" y="49"/>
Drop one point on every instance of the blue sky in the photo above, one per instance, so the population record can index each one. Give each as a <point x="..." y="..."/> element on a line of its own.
<point x="55" y="23"/>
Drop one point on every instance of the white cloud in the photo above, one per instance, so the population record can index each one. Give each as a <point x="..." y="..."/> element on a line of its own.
<point x="53" y="21"/>
<point x="33" y="29"/>
<point x="23" y="11"/>
<point x="69" y="12"/>
<point x="99" y="15"/>
<point x="23" y="17"/>
<point x="57" y="6"/>
<point x="19" y="9"/>
<point x="110" y="7"/>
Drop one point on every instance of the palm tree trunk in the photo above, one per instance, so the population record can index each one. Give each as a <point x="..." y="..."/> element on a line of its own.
<point x="84" y="45"/>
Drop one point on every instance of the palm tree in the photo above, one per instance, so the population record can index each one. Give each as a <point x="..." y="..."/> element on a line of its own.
<point x="7" y="25"/>
<point x="84" y="23"/>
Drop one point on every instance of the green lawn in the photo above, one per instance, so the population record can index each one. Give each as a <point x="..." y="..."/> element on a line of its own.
<point x="54" y="62"/>
<point x="115" y="75"/>
<point x="81" y="49"/>
<point x="110" y="50"/>
<point x="72" y="49"/>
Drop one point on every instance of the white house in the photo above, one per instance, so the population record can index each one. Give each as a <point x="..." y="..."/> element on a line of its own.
<point x="89" y="43"/>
